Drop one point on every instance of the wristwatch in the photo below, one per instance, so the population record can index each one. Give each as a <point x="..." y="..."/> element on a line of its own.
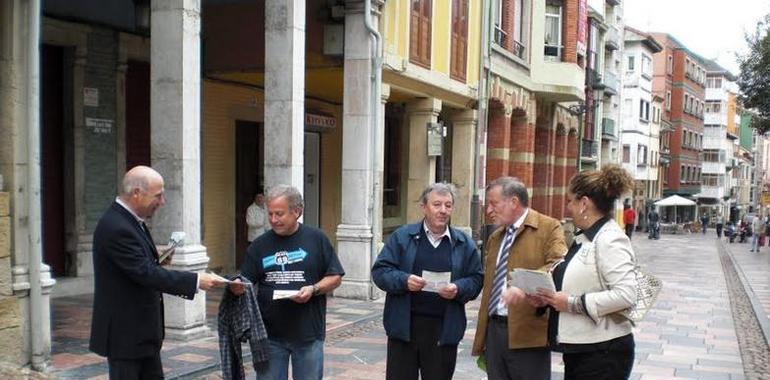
<point x="316" y="290"/>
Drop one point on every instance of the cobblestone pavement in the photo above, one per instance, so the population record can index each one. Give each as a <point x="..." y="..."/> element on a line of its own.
<point x="690" y="334"/>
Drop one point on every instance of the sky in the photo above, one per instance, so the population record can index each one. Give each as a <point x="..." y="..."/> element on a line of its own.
<point x="713" y="29"/>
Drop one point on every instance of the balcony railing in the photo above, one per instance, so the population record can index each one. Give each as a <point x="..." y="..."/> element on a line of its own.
<point x="610" y="82"/>
<point x="611" y="39"/>
<point x="500" y="36"/>
<point x="518" y="49"/>
<point x="589" y="149"/>
<point x="608" y="129"/>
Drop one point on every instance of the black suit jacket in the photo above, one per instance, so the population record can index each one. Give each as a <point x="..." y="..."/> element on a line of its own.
<point x="127" y="319"/>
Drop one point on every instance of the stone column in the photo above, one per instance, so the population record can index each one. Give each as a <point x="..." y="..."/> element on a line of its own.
<point x="175" y="117"/>
<point x="11" y="322"/>
<point x="559" y="172"/>
<point x="355" y="237"/>
<point x="284" y="92"/>
<point x="498" y="143"/>
<point x="422" y="169"/>
<point x="463" y="152"/>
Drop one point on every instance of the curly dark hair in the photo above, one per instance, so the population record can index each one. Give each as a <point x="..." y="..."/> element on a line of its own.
<point x="602" y="186"/>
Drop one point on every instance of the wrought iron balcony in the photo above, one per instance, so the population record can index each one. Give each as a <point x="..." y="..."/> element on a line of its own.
<point x="589" y="149"/>
<point x="612" y="39"/>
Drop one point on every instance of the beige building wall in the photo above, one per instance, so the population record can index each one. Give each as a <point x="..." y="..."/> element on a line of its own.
<point x="223" y="104"/>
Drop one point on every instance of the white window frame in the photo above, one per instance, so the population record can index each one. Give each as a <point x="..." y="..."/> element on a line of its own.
<point x="557" y="44"/>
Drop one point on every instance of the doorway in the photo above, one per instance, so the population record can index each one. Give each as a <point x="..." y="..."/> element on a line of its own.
<point x="137" y="114"/>
<point x="249" y="178"/>
<point x="53" y="136"/>
<point x="312" y="185"/>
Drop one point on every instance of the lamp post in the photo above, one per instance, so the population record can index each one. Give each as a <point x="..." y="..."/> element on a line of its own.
<point x="579" y="109"/>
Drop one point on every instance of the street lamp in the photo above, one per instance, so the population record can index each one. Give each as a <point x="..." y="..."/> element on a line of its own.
<point x="579" y="109"/>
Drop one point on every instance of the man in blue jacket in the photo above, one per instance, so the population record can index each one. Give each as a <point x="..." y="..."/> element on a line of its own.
<point x="429" y="271"/>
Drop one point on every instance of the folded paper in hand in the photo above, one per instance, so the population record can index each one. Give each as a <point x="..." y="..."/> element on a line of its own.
<point x="281" y="294"/>
<point x="176" y="240"/>
<point x="435" y="281"/>
<point x="530" y="280"/>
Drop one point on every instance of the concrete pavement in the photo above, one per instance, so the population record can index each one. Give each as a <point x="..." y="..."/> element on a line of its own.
<point x="690" y="334"/>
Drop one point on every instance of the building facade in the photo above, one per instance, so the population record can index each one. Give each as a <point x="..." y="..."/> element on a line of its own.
<point x="640" y="138"/>
<point x="721" y="125"/>
<point x="679" y="78"/>
<point x="535" y="73"/>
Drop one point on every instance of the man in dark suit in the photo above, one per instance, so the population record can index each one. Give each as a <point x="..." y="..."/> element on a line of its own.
<point x="127" y="320"/>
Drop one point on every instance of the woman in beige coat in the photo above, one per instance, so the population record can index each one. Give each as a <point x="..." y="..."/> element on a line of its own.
<point x="595" y="282"/>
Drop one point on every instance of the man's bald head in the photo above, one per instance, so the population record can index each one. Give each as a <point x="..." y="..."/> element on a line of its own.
<point x="142" y="190"/>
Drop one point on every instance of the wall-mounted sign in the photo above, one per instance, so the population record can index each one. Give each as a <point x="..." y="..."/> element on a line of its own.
<point x="319" y="122"/>
<point x="435" y="139"/>
<point x="90" y="97"/>
<point x="99" y="126"/>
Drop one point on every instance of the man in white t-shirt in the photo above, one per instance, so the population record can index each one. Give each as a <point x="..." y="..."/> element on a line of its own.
<point x="256" y="218"/>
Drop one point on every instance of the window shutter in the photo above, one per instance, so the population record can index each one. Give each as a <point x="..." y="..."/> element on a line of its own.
<point x="459" y="40"/>
<point x="420" y="33"/>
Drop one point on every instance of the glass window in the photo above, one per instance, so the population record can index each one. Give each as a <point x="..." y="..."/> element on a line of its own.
<point x="626" y="154"/>
<point x="646" y="65"/>
<point x="553" y="30"/>
<point x="630" y="65"/>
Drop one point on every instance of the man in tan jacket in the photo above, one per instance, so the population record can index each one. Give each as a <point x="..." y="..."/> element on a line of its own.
<point x="512" y="328"/>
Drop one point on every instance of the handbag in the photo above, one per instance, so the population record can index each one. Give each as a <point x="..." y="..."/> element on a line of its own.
<point x="647" y="289"/>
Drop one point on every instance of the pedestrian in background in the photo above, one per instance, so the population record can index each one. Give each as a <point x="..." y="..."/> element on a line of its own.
<point x="256" y="218"/>
<point x="595" y="340"/>
<point x="425" y="323"/>
<point x="127" y="318"/>
<point x="720" y="225"/>
<point x="704" y="221"/>
<point x="629" y="218"/>
<point x="294" y="266"/>
<point x="512" y="330"/>
<point x="757" y="227"/>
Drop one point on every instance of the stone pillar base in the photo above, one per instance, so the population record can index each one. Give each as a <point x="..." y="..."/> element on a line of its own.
<point x="84" y="259"/>
<point x="354" y="247"/>
<point x="186" y="319"/>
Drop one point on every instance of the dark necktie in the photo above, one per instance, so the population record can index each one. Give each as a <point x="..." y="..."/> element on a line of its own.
<point x="498" y="281"/>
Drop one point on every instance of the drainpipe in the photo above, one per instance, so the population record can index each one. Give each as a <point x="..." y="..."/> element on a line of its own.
<point x="483" y="115"/>
<point x="33" y="185"/>
<point x="376" y="78"/>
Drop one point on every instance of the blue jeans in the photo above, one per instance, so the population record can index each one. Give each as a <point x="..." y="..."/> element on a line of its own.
<point x="755" y="242"/>
<point x="307" y="361"/>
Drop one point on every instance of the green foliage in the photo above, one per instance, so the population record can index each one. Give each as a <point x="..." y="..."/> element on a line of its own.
<point x="754" y="79"/>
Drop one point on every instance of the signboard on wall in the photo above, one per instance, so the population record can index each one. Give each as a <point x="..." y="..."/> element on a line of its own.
<point x="435" y="139"/>
<point x="99" y="126"/>
<point x="582" y="31"/>
<point x="90" y="97"/>
<point x="319" y="122"/>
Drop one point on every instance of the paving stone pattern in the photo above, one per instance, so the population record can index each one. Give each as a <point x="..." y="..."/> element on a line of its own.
<point x="689" y="334"/>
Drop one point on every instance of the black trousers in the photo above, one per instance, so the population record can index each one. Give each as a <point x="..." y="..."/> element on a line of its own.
<point x="629" y="230"/>
<point x="612" y="361"/>
<point x="422" y="354"/>
<point x="504" y="363"/>
<point x="148" y="368"/>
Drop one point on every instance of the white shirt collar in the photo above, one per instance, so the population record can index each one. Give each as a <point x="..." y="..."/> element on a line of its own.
<point x="435" y="240"/>
<point x="125" y="206"/>
<point x="520" y="221"/>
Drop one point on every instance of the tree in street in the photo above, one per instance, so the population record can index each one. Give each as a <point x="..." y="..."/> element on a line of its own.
<point x="754" y="79"/>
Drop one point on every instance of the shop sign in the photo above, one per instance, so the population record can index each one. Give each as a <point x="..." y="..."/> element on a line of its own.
<point x="319" y="122"/>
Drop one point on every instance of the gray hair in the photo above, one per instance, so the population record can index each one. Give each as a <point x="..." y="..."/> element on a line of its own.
<point x="293" y="196"/>
<point x="131" y="182"/>
<point x="511" y="187"/>
<point x="441" y="188"/>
